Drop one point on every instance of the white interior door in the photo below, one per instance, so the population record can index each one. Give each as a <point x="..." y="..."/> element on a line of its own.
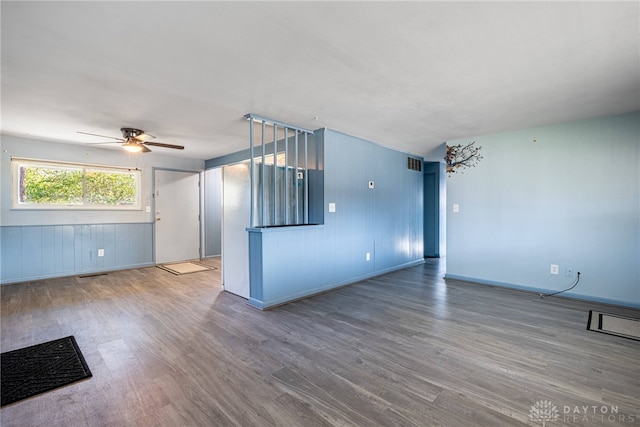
<point x="236" y="214"/>
<point x="177" y="219"/>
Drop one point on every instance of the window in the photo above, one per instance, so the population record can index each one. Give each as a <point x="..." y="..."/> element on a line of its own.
<point x="54" y="185"/>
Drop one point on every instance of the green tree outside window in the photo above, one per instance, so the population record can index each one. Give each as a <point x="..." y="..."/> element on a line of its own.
<point x="69" y="186"/>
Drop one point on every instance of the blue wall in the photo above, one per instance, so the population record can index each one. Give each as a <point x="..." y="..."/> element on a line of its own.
<point x="386" y="221"/>
<point x="36" y="244"/>
<point x="567" y="194"/>
<point x="37" y="252"/>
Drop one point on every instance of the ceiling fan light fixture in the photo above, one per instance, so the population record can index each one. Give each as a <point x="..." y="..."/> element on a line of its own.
<point x="132" y="147"/>
<point x="136" y="141"/>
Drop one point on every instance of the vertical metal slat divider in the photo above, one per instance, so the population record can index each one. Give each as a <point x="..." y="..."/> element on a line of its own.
<point x="286" y="172"/>
<point x="263" y="206"/>
<point x="296" y="179"/>
<point x="251" y="172"/>
<point x="306" y="180"/>
<point x="275" y="174"/>
<point x="259" y="200"/>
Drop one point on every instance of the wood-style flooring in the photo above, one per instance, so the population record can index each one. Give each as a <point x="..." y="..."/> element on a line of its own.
<point x="404" y="349"/>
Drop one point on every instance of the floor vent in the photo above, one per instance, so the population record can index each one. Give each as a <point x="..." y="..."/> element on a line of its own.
<point x="414" y="164"/>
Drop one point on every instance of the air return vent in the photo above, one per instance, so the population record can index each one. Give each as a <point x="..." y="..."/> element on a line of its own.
<point x="414" y="164"/>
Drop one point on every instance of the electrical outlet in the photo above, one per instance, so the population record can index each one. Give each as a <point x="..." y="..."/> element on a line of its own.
<point x="371" y="184"/>
<point x="568" y="272"/>
<point x="100" y="252"/>
<point x="554" y="269"/>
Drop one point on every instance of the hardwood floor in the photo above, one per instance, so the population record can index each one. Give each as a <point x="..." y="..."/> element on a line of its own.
<point x="406" y="348"/>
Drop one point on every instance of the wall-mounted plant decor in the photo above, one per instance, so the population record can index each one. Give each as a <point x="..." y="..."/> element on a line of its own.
<point x="459" y="156"/>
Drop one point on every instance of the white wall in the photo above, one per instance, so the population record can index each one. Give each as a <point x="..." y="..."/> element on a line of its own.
<point x="36" y="149"/>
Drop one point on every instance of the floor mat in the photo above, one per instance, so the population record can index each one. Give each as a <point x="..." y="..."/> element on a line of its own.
<point x="185" y="267"/>
<point x="39" y="368"/>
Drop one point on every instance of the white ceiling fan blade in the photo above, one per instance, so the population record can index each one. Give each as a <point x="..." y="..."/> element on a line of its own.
<point x="144" y="137"/>
<point x="101" y="136"/>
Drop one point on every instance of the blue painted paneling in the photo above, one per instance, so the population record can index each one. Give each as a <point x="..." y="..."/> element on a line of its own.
<point x="298" y="271"/>
<point x="68" y="238"/>
<point x="32" y="250"/>
<point x="98" y="240"/>
<point x="256" y="268"/>
<point x="316" y="196"/>
<point x="37" y="252"/>
<point x="109" y="246"/>
<point x="84" y="251"/>
<point x="11" y="252"/>
<point x="386" y="221"/>
<point x="567" y="194"/>
<point x="145" y="245"/>
<point x="48" y="241"/>
<point x="122" y="236"/>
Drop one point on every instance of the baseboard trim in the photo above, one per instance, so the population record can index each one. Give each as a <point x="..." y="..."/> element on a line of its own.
<point x="570" y="295"/>
<point x="72" y="274"/>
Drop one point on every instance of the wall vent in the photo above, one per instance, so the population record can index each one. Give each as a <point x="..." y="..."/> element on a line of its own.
<point x="414" y="164"/>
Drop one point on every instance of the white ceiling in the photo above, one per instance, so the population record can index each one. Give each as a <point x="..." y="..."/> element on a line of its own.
<point x="408" y="75"/>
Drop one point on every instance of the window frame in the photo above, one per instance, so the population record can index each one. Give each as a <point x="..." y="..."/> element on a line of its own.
<point x="18" y="162"/>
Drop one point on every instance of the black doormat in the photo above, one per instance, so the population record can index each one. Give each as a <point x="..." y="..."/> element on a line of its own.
<point x="612" y="324"/>
<point x="33" y="370"/>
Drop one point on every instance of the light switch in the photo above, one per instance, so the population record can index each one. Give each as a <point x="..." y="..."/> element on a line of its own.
<point x="456" y="207"/>
<point x="371" y="184"/>
<point x="332" y="207"/>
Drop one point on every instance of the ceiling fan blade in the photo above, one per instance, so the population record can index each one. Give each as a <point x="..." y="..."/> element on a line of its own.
<point x="101" y="136"/>
<point x="144" y="137"/>
<point x="159" y="144"/>
<point x="134" y="137"/>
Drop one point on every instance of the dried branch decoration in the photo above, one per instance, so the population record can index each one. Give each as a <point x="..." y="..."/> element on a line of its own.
<point x="459" y="156"/>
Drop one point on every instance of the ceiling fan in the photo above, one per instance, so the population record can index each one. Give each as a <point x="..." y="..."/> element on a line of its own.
<point x="135" y="140"/>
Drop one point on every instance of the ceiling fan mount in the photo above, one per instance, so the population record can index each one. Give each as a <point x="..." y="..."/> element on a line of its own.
<point x="135" y="140"/>
<point x="131" y="132"/>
